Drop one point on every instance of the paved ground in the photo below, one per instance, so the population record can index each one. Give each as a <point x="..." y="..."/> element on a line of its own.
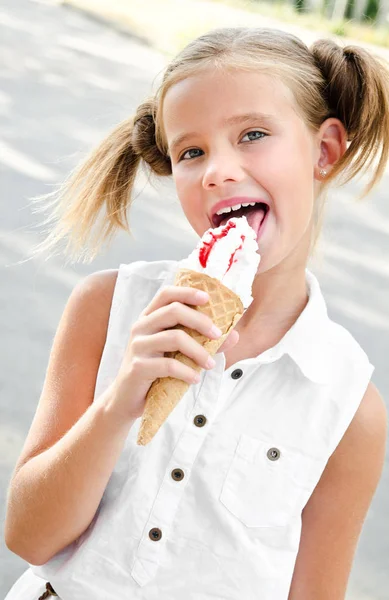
<point x="65" y="81"/>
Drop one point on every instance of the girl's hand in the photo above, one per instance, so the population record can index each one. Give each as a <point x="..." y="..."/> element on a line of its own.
<point x="151" y="336"/>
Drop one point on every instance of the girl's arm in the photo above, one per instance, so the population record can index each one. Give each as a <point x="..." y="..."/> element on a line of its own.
<point x="333" y="517"/>
<point x="73" y="443"/>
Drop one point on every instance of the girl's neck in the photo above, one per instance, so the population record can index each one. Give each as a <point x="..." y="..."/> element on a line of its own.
<point x="279" y="299"/>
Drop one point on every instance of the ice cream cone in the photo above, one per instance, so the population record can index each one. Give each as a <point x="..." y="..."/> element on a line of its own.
<point x="225" y="308"/>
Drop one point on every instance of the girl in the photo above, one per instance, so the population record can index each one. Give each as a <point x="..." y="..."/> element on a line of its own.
<point x="258" y="483"/>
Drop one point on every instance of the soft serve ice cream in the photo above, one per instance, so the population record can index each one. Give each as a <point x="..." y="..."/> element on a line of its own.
<point x="228" y="253"/>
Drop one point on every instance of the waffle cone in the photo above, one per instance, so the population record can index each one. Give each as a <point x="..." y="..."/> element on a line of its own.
<point x="225" y="308"/>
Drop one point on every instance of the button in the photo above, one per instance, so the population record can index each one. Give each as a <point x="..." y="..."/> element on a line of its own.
<point x="273" y="454"/>
<point x="236" y="373"/>
<point x="51" y="590"/>
<point x="178" y="474"/>
<point x="200" y="420"/>
<point x="155" y="534"/>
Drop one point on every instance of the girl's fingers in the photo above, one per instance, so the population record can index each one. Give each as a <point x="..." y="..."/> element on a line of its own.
<point x="175" y="314"/>
<point x="171" y="341"/>
<point x="186" y="296"/>
<point x="174" y="293"/>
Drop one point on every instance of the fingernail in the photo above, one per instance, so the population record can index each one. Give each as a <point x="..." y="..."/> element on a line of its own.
<point x="202" y="296"/>
<point x="216" y="331"/>
<point x="210" y="363"/>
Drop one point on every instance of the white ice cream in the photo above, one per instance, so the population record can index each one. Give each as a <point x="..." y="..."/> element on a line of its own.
<point x="236" y="242"/>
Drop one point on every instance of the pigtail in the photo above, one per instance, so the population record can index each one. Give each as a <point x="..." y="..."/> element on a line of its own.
<point x="356" y="91"/>
<point x="104" y="180"/>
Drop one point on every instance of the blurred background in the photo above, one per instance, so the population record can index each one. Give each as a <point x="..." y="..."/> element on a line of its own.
<point x="70" y="71"/>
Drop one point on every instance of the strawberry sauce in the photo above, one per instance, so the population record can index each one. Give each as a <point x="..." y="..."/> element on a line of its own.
<point x="206" y="248"/>
<point x="242" y="237"/>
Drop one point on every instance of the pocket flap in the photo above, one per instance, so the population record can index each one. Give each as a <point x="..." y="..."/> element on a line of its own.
<point x="268" y="482"/>
<point x="248" y="447"/>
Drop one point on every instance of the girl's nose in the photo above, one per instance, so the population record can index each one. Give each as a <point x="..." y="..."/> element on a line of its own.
<point x="222" y="170"/>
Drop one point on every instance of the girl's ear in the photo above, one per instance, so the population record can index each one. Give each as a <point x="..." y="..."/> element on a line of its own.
<point x="332" y="139"/>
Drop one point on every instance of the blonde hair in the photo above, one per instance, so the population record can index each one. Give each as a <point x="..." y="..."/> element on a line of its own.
<point x="327" y="81"/>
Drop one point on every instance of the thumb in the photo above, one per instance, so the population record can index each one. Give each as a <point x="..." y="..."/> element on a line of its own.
<point x="230" y="341"/>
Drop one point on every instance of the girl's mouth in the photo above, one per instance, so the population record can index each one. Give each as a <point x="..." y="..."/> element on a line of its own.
<point x="255" y="215"/>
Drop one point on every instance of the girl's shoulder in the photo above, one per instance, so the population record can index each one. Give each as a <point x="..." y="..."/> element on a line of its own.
<point x="76" y="350"/>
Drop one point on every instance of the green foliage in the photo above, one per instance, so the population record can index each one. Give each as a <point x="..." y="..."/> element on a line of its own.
<point x="297" y="11"/>
<point x="372" y="9"/>
<point x="339" y="28"/>
<point x="350" y="9"/>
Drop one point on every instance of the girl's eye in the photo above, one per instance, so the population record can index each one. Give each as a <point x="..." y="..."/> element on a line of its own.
<point x="258" y="137"/>
<point x="190" y="150"/>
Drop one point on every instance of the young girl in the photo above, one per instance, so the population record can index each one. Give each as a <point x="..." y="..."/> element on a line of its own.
<point x="258" y="483"/>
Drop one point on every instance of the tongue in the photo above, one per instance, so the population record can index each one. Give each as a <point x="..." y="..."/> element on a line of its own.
<point x="254" y="216"/>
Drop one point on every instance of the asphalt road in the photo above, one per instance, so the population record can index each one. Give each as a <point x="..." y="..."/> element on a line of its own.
<point x="66" y="80"/>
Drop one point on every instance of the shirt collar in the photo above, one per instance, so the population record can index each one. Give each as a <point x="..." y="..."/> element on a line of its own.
<point x="307" y="341"/>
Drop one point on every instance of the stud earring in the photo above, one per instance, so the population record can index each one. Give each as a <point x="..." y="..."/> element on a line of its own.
<point x="323" y="172"/>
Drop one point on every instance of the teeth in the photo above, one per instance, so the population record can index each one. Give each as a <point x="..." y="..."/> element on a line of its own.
<point x="224" y="210"/>
<point x="228" y="209"/>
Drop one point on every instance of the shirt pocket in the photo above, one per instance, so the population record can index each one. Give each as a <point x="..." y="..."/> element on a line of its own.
<point x="268" y="483"/>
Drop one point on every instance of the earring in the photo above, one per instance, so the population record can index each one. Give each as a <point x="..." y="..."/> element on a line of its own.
<point x="323" y="172"/>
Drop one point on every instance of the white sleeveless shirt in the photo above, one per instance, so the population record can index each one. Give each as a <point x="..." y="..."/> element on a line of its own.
<point x="211" y="507"/>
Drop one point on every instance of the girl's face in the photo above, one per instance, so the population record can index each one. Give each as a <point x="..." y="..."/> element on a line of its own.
<point x="268" y="156"/>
